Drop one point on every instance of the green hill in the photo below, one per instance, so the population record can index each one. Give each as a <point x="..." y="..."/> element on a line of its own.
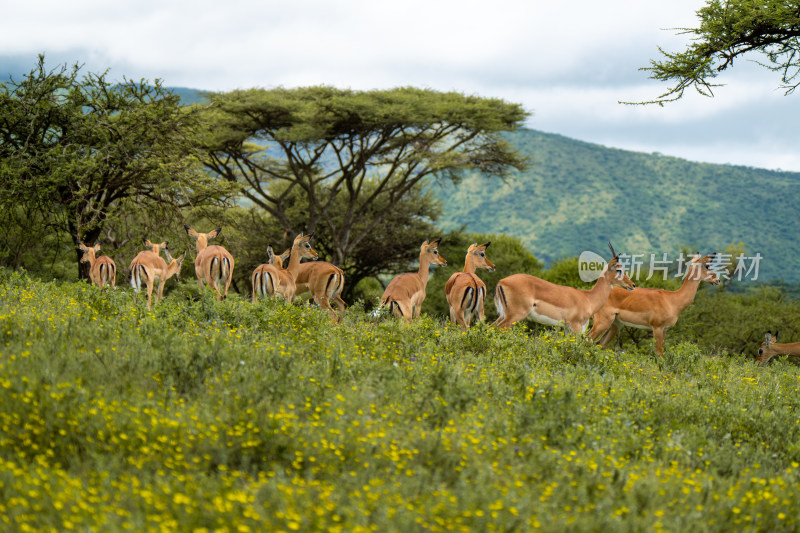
<point x="576" y="196"/>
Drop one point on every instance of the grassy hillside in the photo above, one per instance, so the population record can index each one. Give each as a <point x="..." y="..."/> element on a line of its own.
<point x="577" y="195"/>
<point x="205" y="415"/>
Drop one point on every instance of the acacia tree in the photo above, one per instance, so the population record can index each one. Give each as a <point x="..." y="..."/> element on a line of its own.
<point x="728" y="30"/>
<point x="77" y="150"/>
<point x="351" y="157"/>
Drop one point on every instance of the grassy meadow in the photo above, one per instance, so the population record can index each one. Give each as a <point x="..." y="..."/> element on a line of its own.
<point x="226" y="416"/>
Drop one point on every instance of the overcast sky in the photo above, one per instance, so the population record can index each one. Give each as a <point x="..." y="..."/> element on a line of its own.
<point x="568" y="63"/>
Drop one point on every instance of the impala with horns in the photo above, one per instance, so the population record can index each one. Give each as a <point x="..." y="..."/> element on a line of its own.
<point x="465" y="291"/>
<point x="405" y="293"/>
<point x="102" y="270"/>
<point x="271" y="278"/>
<point x="148" y="265"/>
<point x="654" y="309"/>
<point x="770" y="348"/>
<point x="523" y="296"/>
<point x="213" y="264"/>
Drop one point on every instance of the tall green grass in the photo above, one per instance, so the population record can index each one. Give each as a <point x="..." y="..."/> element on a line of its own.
<point x="202" y="415"/>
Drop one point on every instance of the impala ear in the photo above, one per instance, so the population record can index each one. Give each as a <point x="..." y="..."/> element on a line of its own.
<point x="775" y="336"/>
<point x="190" y="231"/>
<point x="82" y="246"/>
<point x="767" y="338"/>
<point x="96" y="247"/>
<point x="147" y="243"/>
<point x="486" y="245"/>
<point x="437" y="241"/>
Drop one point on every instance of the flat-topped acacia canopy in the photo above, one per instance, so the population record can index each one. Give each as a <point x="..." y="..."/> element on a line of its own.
<point x="352" y="156"/>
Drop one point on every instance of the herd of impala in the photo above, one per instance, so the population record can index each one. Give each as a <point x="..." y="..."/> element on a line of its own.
<point x="614" y="300"/>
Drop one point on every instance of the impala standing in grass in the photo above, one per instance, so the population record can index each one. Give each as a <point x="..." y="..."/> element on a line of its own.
<point x="148" y="265"/>
<point x="102" y="270"/>
<point x="325" y="282"/>
<point x="213" y="264"/>
<point x="405" y="293"/>
<point x="522" y="295"/>
<point x="769" y="349"/>
<point x="271" y="278"/>
<point x="655" y="309"/>
<point x="465" y="291"/>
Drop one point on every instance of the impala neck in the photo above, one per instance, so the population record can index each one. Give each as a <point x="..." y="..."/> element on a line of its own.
<point x="202" y="243"/>
<point x="91" y="257"/>
<point x="685" y="295"/>
<point x="469" y="265"/>
<point x="599" y="293"/>
<point x="424" y="268"/>
<point x="294" y="262"/>
<point x="792" y="348"/>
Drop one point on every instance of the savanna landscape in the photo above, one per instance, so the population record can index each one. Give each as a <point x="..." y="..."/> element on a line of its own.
<point x="324" y="309"/>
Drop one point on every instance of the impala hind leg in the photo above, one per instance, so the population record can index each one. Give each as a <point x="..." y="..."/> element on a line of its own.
<point x="609" y="335"/>
<point x="401" y="310"/>
<point x="600" y="326"/>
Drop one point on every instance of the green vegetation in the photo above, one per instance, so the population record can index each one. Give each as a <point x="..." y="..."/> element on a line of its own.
<point x="204" y="415"/>
<point x="577" y="196"/>
<point x="728" y="31"/>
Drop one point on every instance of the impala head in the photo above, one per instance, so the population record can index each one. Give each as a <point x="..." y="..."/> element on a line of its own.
<point x="88" y="252"/>
<point x="429" y="251"/>
<point x="302" y="245"/>
<point x="201" y="238"/>
<point x="615" y="274"/>
<point x="699" y="269"/>
<point x="155" y="247"/>
<point x="178" y="259"/>
<point x="276" y="260"/>
<point x="477" y="254"/>
<point x="766" y="351"/>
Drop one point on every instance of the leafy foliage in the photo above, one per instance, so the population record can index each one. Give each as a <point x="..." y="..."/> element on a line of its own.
<point x="728" y="30"/>
<point x="77" y="151"/>
<point x="347" y="154"/>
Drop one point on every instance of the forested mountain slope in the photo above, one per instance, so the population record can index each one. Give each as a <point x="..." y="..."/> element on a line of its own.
<point x="576" y="196"/>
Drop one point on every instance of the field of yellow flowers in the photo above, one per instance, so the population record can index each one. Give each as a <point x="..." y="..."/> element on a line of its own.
<point x="225" y="416"/>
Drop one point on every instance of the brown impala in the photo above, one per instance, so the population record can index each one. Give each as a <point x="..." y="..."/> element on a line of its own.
<point x="522" y="295"/>
<point x="465" y="291"/>
<point x="655" y="309"/>
<point x="405" y="293"/>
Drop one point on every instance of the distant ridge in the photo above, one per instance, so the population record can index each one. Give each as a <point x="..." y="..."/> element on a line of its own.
<point x="577" y="196"/>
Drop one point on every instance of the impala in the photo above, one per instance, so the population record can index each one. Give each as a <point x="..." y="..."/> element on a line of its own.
<point x="271" y="277"/>
<point x="213" y="264"/>
<point x="102" y="270"/>
<point x="147" y="266"/>
<point x="405" y="293"/>
<point x="769" y="349"/>
<point x="465" y="291"/>
<point x="325" y="282"/>
<point x="522" y="295"/>
<point x="655" y="309"/>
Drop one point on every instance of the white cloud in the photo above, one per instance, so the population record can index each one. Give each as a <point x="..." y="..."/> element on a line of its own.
<point x="568" y="62"/>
